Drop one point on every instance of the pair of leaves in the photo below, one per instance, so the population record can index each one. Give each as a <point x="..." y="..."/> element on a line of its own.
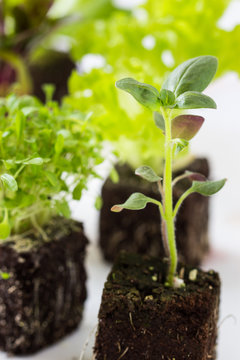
<point x="183" y="126"/>
<point x="181" y="90"/>
<point x="138" y="201"/>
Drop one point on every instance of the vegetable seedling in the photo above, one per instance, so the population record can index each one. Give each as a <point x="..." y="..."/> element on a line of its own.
<point x="48" y="153"/>
<point x="182" y="90"/>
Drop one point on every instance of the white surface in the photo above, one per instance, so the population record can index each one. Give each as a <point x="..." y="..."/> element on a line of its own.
<point x="219" y="141"/>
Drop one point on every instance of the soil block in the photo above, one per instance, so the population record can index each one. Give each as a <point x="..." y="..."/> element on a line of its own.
<point x="139" y="231"/>
<point x="42" y="300"/>
<point x="139" y="318"/>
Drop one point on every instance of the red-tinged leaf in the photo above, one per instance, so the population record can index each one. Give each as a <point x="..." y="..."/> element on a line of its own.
<point x="136" y="201"/>
<point x="194" y="176"/>
<point x="186" y="126"/>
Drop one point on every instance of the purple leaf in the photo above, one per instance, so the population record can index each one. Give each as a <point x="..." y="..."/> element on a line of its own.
<point x="186" y="126"/>
<point x="194" y="176"/>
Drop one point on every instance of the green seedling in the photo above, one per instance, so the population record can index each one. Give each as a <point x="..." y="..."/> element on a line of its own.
<point x="48" y="153"/>
<point x="182" y="90"/>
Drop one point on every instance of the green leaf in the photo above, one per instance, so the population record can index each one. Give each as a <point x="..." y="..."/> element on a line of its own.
<point x="179" y="145"/>
<point x="192" y="75"/>
<point x="167" y="97"/>
<point x="114" y="176"/>
<point x="20" y="124"/>
<point x="186" y="126"/>
<point x="98" y="203"/>
<point x="59" y="144"/>
<point x="147" y="173"/>
<point x="4" y="275"/>
<point x="9" y="182"/>
<point x="136" y="201"/>
<point x="52" y="178"/>
<point x="28" y="110"/>
<point x="5" y="228"/>
<point x="34" y="161"/>
<point x="48" y="90"/>
<point x="159" y="120"/>
<point x="207" y="188"/>
<point x="77" y="191"/>
<point x="194" y="100"/>
<point x="63" y="208"/>
<point x="145" y="94"/>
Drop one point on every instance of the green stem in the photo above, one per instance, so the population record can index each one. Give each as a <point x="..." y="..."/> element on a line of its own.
<point x="180" y="201"/>
<point x="168" y="198"/>
<point x="19" y="170"/>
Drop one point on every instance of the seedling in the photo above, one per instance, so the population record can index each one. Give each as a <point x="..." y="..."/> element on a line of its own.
<point x="182" y="90"/>
<point x="47" y="154"/>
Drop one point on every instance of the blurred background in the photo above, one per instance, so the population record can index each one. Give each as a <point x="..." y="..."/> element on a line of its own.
<point x="83" y="47"/>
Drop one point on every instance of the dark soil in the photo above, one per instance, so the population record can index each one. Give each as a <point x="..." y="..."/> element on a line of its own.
<point x="53" y="67"/>
<point x="42" y="301"/>
<point x="139" y="231"/>
<point x="140" y="319"/>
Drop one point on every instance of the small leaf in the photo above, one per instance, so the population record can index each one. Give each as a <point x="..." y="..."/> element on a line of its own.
<point x="48" y="90"/>
<point x="186" y="126"/>
<point x="34" y="161"/>
<point x="192" y="75"/>
<point x="20" y="124"/>
<point x="63" y="208"/>
<point x="98" y="203"/>
<point x="59" y="144"/>
<point x="194" y="100"/>
<point x="9" y="182"/>
<point x="194" y="176"/>
<point x="167" y="97"/>
<point x="145" y="94"/>
<point x="136" y="201"/>
<point x="28" y="110"/>
<point x="207" y="188"/>
<point x="77" y="191"/>
<point x="147" y="173"/>
<point x="4" y="275"/>
<point x="52" y="178"/>
<point x="114" y="175"/>
<point x="159" y="120"/>
<point x="5" y="228"/>
<point x="179" y="145"/>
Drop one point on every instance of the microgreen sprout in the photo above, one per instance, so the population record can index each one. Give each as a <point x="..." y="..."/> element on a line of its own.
<point x="47" y="154"/>
<point x="182" y="90"/>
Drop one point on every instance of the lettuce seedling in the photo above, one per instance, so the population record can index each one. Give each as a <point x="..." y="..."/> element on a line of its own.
<point x="48" y="153"/>
<point x="182" y="90"/>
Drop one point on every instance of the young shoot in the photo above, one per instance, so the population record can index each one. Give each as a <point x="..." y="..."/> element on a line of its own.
<point x="182" y="90"/>
<point x="48" y="153"/>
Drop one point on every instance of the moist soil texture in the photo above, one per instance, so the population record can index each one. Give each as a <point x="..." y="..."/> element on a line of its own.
<point x="140" y="318"/>
<point x="42" y="300"/>
<point x="139" y="231"/>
